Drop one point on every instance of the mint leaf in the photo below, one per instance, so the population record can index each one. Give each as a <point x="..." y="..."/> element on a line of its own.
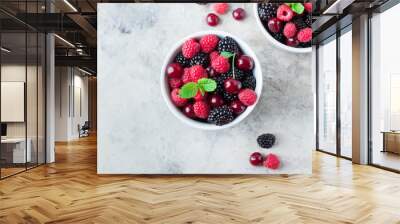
<point x="189" y="90"/>
<point x="207" y="85"/>
<point x="297" y="8"/>
<point x="226" y="54"/>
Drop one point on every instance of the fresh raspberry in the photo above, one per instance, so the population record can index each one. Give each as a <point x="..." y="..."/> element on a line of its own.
<point x="284" y="13"/>
<point x="201" y="109"/>
<point x="190" y="48"/>
<point x="247" y="96"/>
<point x="208" y="43"/>
<point x="304" y="35"/>
<point x="175" y="83"/>
<point x="200" y="97"/>
<point x="272" y="161"/>
<point x="176" y="99"/>
<point x="308" y="7"/>
<point x="197" y="72"/>
<point x="289" y="30"/>
<point x="221" y="8"/>
<point x="213" y="55"/>
<point x="186" y="75"/>
<point x="220" y="64"/>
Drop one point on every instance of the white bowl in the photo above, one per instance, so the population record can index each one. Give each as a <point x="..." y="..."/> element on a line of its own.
<point x="165" y="87"/>
<point x="273" y="40"/>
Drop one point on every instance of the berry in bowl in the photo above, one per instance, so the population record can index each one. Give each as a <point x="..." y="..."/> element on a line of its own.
<point x="211" y="80"/>
<point x="286" y="25"/>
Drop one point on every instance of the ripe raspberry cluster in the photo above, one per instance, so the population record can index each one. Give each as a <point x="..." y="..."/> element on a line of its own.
<point x="288" y="23"/>
<point x="211" y="80"/>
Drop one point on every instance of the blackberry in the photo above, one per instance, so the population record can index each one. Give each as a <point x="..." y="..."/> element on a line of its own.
<point x="228" y="44"/>
<point x="200" y="59"/>
<point x="249" y="82"/>
<point x="239" y="74"/>
<point x="300" y="23"/>
<point x="229" y="97"/>
<point x="308" y="20"/>
<point x="266" y="11"/>
<point x="221" y="115"/>
<point x="266" y="140"/>
<point x="182" y="60"/>
<point x="279" y="37"/>
<point x="220" y="82"/>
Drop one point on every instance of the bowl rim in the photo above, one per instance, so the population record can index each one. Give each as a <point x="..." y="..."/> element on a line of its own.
<point x="197" y="124"/>
<point x="272" y="39"/>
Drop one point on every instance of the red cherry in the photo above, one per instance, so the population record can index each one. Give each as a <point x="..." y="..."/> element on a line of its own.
<point x="239" y="14"/>
<point x="245" y="63"/>
<point x="275" y="25"/>
<point x="174" y="70"/>
<point x="256" y="159"/>
<point x="292" y="42"/>
<point x="189" y="111"/>
<point x="212" y="19"/>
<point x="232" y="86"/>
<point x="200" y="97"/>
<point x="215" y="100"/>
<point x="238" y="107"/>
<point x="211" y="72"/>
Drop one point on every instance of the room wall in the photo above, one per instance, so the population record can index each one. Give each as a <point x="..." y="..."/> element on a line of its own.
<point x="71" y="87"/>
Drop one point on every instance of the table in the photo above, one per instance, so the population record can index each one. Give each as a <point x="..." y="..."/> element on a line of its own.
<point x="391" y="141"/>
<point x="17" y="150"/>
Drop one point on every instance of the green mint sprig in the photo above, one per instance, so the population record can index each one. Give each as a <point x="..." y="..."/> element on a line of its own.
<point x="190" y="89"/>
<point x="296" y="7"/>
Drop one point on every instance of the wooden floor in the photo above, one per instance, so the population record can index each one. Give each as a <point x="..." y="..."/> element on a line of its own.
<point x="70" y="191"/>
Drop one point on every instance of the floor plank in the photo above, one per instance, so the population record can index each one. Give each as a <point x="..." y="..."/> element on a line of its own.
<point x="70" y="191"/>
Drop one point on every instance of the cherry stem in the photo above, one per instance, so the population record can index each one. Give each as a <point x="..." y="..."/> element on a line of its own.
<point x="233" y="66"/>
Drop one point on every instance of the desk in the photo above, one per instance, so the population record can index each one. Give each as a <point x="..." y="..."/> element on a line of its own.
<point x="15" y="148"/>
<point x="391" y="141"/>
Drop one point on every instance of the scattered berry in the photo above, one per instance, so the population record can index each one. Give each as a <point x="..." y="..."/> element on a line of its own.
<point x="304" y="35"/>
<point x="220" y="64"/>
<point x="174" y="70"/>
<point x="274" y="25"/>
<point x="200" y="97"/>
<point x="308" y="7"/>
<point x="175" y="83"/>
<point x="201" y="109"/>
<point x="266" y="140"/>
<point x="221" y="8"/>
<point x="176" y="99"/>
<point x="190" y="48"/>
<point x="197" y="72"/>
<point x="238" y="107"/>
<point x="208" y="43"/>
<point x="215" y="101"/>
<point x="189" y="111"/>
<point x="247" y="96"/>
<point x="272" y="161"/>
<point x="245" y="63"/>
<point x="232" y="86"/>
<point x="200" y="59"/>
<point x="239" y="14"/>
<point x="284" y="13"/>
<point x="228" y="44"/>
<point x="212" y="19"/>
<point x="256" y="159"/>
<point x="186" y="75"/>
<point x="221" y="115"/>
<point x="266" y="11"/>
<point x="289" y="30"/>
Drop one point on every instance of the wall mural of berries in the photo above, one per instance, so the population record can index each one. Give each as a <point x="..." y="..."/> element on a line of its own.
<point x="198" y="89"/>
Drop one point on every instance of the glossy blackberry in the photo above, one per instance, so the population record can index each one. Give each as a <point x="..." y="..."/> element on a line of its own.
<point x="300" y="23"/>
<point x="279" y="37"/>
<point x="221" y="115"/>
<point x="200" y="59"/>
<point x="228" y="44"/>
<point x="239" y="74"/>
<point x="266" y="11"/>
<point x="229" y="97"/>
<point x="220" y="82"/>
<point x="308" y="20"/>
<point x="249" y="82"/>
<point x="182" y="60"/>
<point x="266" y="140"/>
